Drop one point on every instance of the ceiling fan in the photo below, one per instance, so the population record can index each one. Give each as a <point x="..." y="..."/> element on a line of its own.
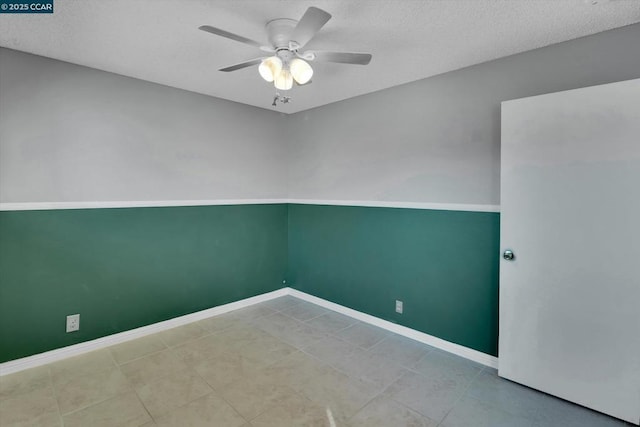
<point x="287" y="37"/>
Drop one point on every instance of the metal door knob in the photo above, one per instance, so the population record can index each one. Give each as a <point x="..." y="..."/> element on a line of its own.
<point x="508" y="255"/>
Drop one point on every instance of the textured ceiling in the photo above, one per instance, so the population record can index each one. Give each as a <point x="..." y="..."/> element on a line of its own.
<point x="158" y="40"/>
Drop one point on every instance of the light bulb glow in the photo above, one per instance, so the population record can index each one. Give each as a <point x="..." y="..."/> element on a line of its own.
<point x="284" y="80"/>
<point x="270" y="68"/>
<point x="301" y="71"/>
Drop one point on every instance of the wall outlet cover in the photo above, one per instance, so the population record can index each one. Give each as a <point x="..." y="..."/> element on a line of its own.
<point x="399" y="306"/>
<point x="73" y="322"/>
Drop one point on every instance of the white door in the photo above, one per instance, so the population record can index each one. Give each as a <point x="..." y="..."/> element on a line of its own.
<point x="570" y="212"/>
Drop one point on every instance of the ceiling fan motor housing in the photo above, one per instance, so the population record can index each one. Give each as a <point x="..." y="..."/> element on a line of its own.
<point x="279" y="32"/>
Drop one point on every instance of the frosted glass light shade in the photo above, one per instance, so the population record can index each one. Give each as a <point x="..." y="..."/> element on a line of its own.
<point x="284" y="80"/>
<point x="301" y="71"/>
<point x="270" y="68"/>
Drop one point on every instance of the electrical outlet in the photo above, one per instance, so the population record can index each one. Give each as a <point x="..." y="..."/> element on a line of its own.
<point x="398" y="306"/>
<point x="73" y="322"/>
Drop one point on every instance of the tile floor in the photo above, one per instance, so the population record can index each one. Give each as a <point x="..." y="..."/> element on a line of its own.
<point x="281" y="363"/>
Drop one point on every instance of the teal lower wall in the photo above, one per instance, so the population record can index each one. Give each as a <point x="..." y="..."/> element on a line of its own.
<point x="126" y="268"/>
<point x="442" y="264"/>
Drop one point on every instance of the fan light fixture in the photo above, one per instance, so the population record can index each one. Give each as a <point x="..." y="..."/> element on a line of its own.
<point x="289" y="62"/>
<point x="282" y="75"/>
<point x="284" y="80"/>
<point x="301" y="71"/>
<point x="270" y="68"/>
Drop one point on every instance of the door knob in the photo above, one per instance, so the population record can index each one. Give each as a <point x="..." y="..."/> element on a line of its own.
<point x="508" y="255"/>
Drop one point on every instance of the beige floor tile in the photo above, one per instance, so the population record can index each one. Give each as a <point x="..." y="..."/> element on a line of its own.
<point x="267" y="350"/>
<point x="296" y="370"/>
<point x="252" y="396"/>
<point x="236" y="318"/>
<point x="332" y="322"/>
<point x="152" y="367"/>
<point x="370" y="367"/>
<point x="332" y="350"/>
<point x="134" y="349"/>
<point x="432" y="396"/>
<point x="384" y="412"/>
<point x="35" y="408"/>
<point x="302" y="336"/>
<point x="363" y="335"/>
<point x="210" y="410"/>
<point x="254" y="311"/>
<point x="296" y="411"/>
<point x="182" y="334"/>
<point x="401" y="350"/>
<point x="277" y="324"/>
<point x="79" y="392"/>
<point x="77" y="366"/>
<point x="223" y="321"/>
<point x="237" y="338"/>
<point x="281" y="303"/>
<point x="460" y="369"/>
<point x="228" y="367"/>
<point x="23" y="382"/>
<point x="343" y="395"/>
<point x="200" y="350"/>
<point x="165" y="394"/>
<point x="469" y="411"/>
<point x="305" y="311"/>
<point x="124" y="410"/>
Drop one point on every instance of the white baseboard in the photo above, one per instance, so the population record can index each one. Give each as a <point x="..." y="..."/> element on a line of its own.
<point x="12" y="366"/>
<point x="17" y="365"/>
<point x="459" y="350"/>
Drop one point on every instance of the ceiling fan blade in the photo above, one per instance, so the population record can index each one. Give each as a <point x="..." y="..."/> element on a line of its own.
<point x="227" y="34"/>
<point x="241" y="65"/>
<point x="310" y="23"/>
<point x="343" y="57"/>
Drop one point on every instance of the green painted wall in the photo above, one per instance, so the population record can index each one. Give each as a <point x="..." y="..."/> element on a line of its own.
<point x="126" y="268"/>
<point x="442" y="264"/>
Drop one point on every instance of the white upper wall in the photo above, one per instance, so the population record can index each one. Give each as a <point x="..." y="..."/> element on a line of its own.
<point x="74" y="134"/>
<point x="438" y="140"/>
